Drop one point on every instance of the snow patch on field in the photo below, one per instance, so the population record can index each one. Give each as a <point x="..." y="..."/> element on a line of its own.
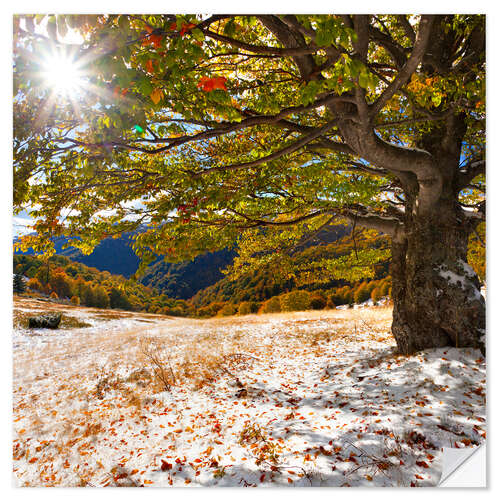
<point x="315" y="399"/>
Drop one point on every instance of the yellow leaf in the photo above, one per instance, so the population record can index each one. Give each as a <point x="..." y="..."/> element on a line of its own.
<point x="156" y="95"/>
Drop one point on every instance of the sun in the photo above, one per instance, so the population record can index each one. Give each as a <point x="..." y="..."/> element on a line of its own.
<point x="63" y="74"/>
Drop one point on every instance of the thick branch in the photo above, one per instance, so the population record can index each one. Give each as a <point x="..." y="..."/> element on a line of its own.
<point x="290" y="37"/>
<point x="410" y="66"/>
<point x="391" y="226"/>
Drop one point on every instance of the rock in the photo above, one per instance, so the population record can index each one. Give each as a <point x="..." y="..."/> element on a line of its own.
<point x="45" y="321"/>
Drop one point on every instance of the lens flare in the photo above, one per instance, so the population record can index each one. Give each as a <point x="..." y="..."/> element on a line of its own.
<point x="63" y="74"/>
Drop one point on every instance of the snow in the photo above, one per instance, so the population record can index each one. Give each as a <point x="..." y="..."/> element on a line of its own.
<point x="463" y="280"/>
<point x="319" y="399"/>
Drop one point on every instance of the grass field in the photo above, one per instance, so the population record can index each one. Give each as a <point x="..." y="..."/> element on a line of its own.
<point x="317" y="398"/>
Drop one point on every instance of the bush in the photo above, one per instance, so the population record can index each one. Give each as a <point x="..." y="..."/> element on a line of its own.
<point x="298" y="300"/>
<point x="370" y="286"/>
<point x="246" y="307"/>
<point x="228" y="310"/>
<point x="376" y="295"/>
<point x="318" y="302"/>
<point x="101" y="297"/>
<point x="348" y="297"/>
<point x="361" y="294"/>
<point x="35" y="284"/>
<point x="271" y="306"/>
<point x="384" y="289"/>
<point x="75" y="300"/>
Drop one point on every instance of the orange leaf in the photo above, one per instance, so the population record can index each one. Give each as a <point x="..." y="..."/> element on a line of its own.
<point x="208" y="84"/>
<point x="187" y="27"/>
<point x="147" y="481"/>
<point x="156" y="97"/>
<point x="156" y="40"/>
<point x="32" y="460"/>
<point x="422" y="464"/>
<point x="165" y="466"/>
<point x="150" y="65"/>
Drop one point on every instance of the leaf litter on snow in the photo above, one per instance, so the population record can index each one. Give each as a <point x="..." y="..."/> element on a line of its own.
<point x="316" y="398"/>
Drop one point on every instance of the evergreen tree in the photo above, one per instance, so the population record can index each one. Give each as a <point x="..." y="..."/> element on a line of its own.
<point x="19" y="285"/>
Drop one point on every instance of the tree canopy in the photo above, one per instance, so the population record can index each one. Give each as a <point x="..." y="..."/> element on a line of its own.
<point x="263" y="130"/>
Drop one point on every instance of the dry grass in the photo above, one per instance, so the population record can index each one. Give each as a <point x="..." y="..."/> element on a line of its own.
<point x="98" y="368"/>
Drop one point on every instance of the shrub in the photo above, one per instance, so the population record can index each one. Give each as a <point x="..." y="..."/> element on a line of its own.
<point x="245" y="308"/>
<point x="75" y="300"/>
<point x="384" y="289"/>
<point x="175" y="311"/>
<point x="101" y="297"/>
<point x="348" y="297"/>
<point x="271" y="306"/>
<point x="370" y="286"/>
<point x="35" y="284"/>
<point x="361" y="294"/>
<point x="376" y="294"/>
<point x="298" y="300"/>
<point x="317" y="302"/>
<point x="228" y="310"/>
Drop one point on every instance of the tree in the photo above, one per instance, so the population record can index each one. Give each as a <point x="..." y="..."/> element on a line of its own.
<point x="297" y="300"/>
<point x="18" y="284"/>
<point x="60" y="283"/>
<point x="318" y="302"/>
<point x="101" y="297"/>
<point x="88" y="297"/>
<point x="376" y="294"/>
<point x="35" y="284"/>
<point x="265" y="131"/>
<point x="271" y="306"/>
<point x="362" y="293"/>
<point x="118" y="299"/>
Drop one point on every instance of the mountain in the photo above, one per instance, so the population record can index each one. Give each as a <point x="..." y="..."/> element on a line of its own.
<point x="113" y="255"/>
<point x="179" y="281"/>
<point x="185" y="279"/>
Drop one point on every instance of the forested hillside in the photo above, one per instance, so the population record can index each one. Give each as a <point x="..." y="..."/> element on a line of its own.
<point x="185" y="279"/>
<point x="268" y="281"/>
<point x="176" y="280"/>
<point x="61" y="278"/>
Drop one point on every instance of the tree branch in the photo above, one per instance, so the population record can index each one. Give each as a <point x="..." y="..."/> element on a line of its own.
<point x="410" y="66"/>
<point x="277" y="154"/>
<point x="471" y="170"/>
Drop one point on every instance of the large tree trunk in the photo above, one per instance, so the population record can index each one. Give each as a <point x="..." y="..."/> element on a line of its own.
<point x="437" y="299"/>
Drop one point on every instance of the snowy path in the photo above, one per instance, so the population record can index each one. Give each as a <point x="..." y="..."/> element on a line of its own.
<point x="316" y="398"/>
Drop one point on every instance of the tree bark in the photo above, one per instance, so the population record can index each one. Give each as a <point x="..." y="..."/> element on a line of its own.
<point x="437" y="299"/>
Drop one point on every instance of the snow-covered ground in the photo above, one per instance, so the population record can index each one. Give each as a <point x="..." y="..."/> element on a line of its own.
<point x="315" y="398"/>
